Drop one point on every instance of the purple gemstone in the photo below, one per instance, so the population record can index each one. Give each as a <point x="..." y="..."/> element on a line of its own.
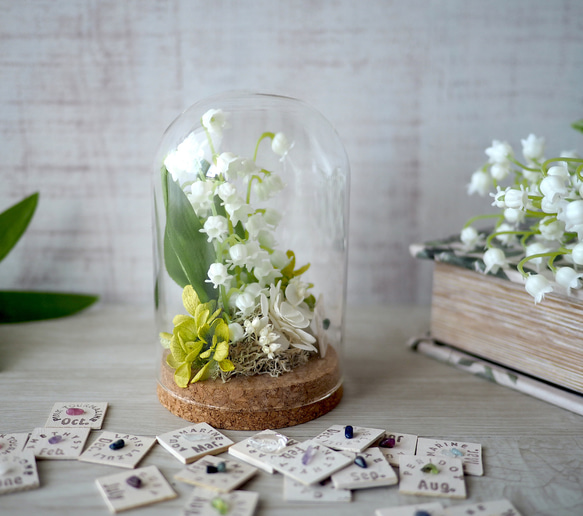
<point x="387" y="442"/>
<point x="308" y="455"/>
<point x="75" y="411"/>
<point x="134" y="481"/>
<point x="55" y="439"/>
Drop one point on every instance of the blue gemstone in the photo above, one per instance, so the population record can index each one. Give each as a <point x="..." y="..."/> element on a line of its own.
<point x="348" y="432"/>
<point x="211" y="469"/>
<point x="221" y="467"/>
<point x="422" y="513"/>
<point x="117" y="445"/>
<point x="359" y="461"/>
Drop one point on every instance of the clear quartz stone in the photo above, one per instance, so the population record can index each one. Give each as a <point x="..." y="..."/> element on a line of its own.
<point x="270" y="443"/>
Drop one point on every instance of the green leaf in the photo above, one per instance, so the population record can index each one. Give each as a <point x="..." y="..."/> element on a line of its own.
<point x="35" y="306"/>
<point x="202" y="373"/>
<point x="14" y="221"/>
<point x="182" y="374"/>
<point x="578" y="125"/>
<point x="187" y="253"/>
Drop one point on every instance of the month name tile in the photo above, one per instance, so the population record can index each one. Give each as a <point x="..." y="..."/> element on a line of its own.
<point x="193" y="442"/>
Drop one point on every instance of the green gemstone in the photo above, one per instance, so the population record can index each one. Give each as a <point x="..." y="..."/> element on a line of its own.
<point x="220" y="505"/>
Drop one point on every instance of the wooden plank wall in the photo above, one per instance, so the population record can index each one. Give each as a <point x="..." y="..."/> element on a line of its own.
<point x="417" y="89"/>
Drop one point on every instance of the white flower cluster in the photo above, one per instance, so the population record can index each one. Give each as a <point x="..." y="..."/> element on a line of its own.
<point x="541" y="213"/>
<point x="248" y="268"/>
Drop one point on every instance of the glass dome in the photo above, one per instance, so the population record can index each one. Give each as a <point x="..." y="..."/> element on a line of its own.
<point x="250" y="230"/>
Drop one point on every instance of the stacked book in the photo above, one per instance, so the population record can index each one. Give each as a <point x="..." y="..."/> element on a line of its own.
<point x="490" y="326"/>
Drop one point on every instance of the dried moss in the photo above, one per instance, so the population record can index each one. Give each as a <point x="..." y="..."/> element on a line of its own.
<point x="250" y="360"/>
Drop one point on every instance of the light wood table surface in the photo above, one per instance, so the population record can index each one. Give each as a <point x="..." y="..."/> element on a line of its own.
<point x="533" y="451"/>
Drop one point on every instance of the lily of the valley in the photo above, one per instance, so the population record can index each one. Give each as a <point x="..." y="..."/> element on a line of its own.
<point x="537" y="286"/>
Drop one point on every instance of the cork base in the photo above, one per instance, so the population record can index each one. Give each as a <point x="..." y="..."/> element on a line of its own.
<point x="257" y="402"/>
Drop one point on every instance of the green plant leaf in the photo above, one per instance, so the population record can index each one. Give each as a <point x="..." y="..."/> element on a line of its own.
<point x="14" y="221"/>
<point x="35" y="306"/>
<point x="202" y="373"/>
<point x="187" y="253"/>
<point x="578" y="125"/>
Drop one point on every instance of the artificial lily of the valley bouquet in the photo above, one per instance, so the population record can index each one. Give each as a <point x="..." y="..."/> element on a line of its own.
<point x="247" y="308"/>
<point x="538" y="230"/>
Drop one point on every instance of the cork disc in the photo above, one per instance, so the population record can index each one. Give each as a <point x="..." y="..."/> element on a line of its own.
<point x="257" y="402"/>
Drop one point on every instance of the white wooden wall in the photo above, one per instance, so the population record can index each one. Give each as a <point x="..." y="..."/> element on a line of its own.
<point x="417" y="89"/>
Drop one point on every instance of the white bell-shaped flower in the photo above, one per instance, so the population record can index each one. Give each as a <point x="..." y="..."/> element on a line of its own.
<point x="559" y="170"/>
<point x="572" y="216"/>
<point x="568" y="277"/>
<point x="494" y="259"/>
<point x="514" y="216"/>
<point x="516" y="198"/>
<point x="201" y="197"/>
<point x="236" y="332"/>
<point x="505" y="236"/>
<point x="280" y="144"/>
<point x="214" y="121"/>
<point x="534" y="249"/>
<point x="551" y="228"/>
<point x="480" y="183"/>
<point x="499" y="152"/>
<point x="553" y="188"/>
<point x="216" y="227"/>
<point x="537" y="286"/>
<point x="533" y="148"/>
<point x="469" y="237"/>
<point x="499" y="171"/>
<point x="218" y="275"/>
<point x="499" y="197"/>
<point x="577" y="254"/>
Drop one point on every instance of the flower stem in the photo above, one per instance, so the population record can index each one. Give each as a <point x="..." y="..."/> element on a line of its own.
<point x="256" y="177"/>
<point x="496" y="233"/>
<point x="262" y="137"/>
<point x="547" y="163"/>
<point x="209" y="139"/>
<point x="480" y="217"/>
<point x="552" y="256"/>
<point x="516" y="162"/>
